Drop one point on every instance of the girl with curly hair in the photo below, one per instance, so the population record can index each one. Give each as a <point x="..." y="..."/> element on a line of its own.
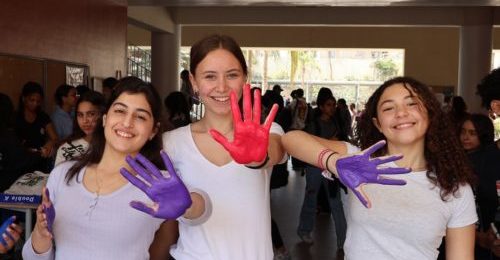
<point x="435" y="199"/>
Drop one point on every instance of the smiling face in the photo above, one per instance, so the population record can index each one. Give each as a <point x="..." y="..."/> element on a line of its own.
<point x="401" y="116"/>
<point x="215" y="76"/>
<point x="128" y="124"/>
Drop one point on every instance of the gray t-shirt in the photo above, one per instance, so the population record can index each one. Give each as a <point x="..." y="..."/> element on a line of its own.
<point x="112" y="230"/>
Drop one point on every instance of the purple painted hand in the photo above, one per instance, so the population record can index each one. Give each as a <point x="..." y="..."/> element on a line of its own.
<point x="169" y="195"/>
<point x="48" y="210"/>
<point x="354" y="171"/>
<point x="3" y="230"/>
<point x="251" y="139"/>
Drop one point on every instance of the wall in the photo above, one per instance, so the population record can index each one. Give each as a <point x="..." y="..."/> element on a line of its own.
<point x="91" y="32"/>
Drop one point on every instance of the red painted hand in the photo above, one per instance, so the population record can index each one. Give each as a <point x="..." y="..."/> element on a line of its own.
<point x="251" y="139"/>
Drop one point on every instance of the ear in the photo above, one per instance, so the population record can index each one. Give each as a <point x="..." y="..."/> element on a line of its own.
<point x="155" y="131"/>
<point x="376" y="124"/>
<point x="104" y="120"/>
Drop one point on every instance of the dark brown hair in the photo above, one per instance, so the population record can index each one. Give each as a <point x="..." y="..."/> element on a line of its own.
<point x="200" y="50"/>
<point x="151" y="148"/>
<point x="447" y="162"/>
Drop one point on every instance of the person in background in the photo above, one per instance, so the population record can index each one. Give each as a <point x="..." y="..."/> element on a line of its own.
<point x="33" y="126"/>
<point x="63" y="115"/>
<point x="477" y="139"/>
<point x="403" y="120"/>
<point x="343" y="117"/>
<point x="89" y="108"/>
<point x="324" y="125"/>
<point x="177" y="110"/>
<point x="15" y="159"/>
<point x="458" y="112"/>
<point x="489" y="91"/>
<point x="108" y="84"/>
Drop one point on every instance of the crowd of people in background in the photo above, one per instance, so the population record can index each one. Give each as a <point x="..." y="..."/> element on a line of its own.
<point x="80" y="136"/>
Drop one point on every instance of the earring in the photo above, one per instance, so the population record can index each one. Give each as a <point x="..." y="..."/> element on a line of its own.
<point x="197" y="98"/>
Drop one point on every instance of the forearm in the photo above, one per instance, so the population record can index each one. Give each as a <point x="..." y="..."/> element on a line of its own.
<point x="308" y="148"/>
<point x="165" y="237"/>
<point x="41" y="244"/>
<point x="197" y="207"/>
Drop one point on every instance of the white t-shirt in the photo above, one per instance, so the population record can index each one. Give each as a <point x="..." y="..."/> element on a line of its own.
<point x="240" y="223"/>
<point x="113" y="230"/>
<point x="70" y="150"/>
<point x="405" y="222"/>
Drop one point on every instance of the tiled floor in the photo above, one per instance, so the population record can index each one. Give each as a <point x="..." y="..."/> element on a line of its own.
<point x="285" y="206"/>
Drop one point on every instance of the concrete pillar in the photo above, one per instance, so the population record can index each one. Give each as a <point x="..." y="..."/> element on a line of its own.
<point x="165" y="49"/>
<point x="475" y="54"/>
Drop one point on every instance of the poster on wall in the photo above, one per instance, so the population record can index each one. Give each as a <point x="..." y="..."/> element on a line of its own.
<point x="76" y="75"/>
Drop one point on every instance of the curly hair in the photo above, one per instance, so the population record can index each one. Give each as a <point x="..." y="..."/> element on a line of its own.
<point x="489" y="88"/>
<point x="447" y="162"/>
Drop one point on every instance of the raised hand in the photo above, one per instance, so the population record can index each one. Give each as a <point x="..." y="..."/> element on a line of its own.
<point x="8" y="235"/>
<point x="251" y="139"/>
<point x="48" y="210"/>
<point x="354" y="171"/>
<point x="45" y="215"/>
<point x="169" y="194"/>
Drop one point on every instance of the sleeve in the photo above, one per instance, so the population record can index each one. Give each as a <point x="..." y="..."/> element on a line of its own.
<point x="351" y="148"/>
<point x="44" y="119"/>
<point x="206" y="214"/>
<point x="30" y="254"/>
<point x="463" y="211"/>
<point x="276" y="129"/>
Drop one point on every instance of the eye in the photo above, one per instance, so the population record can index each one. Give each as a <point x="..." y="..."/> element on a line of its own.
<point x="210" y="77"/>
<point x="384" y="109"/>
<point x="79" y="115"/>
<point x="413" y="103"/>
<point x="141" y="117"/>
<point x="119" y="111"/>
<point x="233" y="75"/>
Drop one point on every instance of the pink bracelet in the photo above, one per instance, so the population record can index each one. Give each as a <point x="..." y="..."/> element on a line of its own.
<point x="320" y="158"/>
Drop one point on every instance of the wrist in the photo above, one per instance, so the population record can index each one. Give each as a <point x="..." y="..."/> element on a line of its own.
<point x="260" y="165"/>
<point x="330" y="163"/>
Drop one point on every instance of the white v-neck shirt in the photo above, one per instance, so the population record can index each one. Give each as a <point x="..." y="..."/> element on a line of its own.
<point x="239" y="226"/>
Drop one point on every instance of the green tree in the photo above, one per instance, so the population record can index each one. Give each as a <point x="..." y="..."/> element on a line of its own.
<point x="385" y="69"/>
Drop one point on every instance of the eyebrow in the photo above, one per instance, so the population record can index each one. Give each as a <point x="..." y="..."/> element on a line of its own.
<point x="391" y="100"/>
<point x="138" y="109"/>
<point x="229" y="71"/>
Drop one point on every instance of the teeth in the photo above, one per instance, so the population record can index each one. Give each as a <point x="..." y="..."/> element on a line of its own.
<point x="221" y="99"/>
<point x="403" y="125"/>
<point x="123" y="134"/>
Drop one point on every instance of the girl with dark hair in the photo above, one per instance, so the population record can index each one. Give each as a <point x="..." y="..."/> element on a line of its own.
<point x="477" y="137"/>
<point x="91" y="197"/>
<point x="33" y="126"/>
<point x="89" y="108"/>
<point x="234" y="174"/>
<point x="177" y="110"/>
<point x="407" y="221"/>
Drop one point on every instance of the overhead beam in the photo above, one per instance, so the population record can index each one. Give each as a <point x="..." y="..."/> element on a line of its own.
<point x="154" y="19"/>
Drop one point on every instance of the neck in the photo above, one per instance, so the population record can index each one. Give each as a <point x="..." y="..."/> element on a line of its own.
<point x="87" y="138"/>
<point x="111" y="162"/>
<point x="324" y="117"/>
<point x="223" y="124"/>
<point x="413" y="155"/>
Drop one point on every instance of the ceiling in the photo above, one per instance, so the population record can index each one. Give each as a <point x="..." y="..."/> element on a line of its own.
<point x="366" y="3"/>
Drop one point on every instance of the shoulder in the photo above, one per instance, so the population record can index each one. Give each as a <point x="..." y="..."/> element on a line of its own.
<point x="276" y="129"/>
<point x="43" y="117"/>
<point x="176" y="133"/>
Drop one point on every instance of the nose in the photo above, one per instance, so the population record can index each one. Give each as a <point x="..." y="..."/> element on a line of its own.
<point x="401" y="111"/>
<point x="221" y="85"/>
<point x="128" y="120"/>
